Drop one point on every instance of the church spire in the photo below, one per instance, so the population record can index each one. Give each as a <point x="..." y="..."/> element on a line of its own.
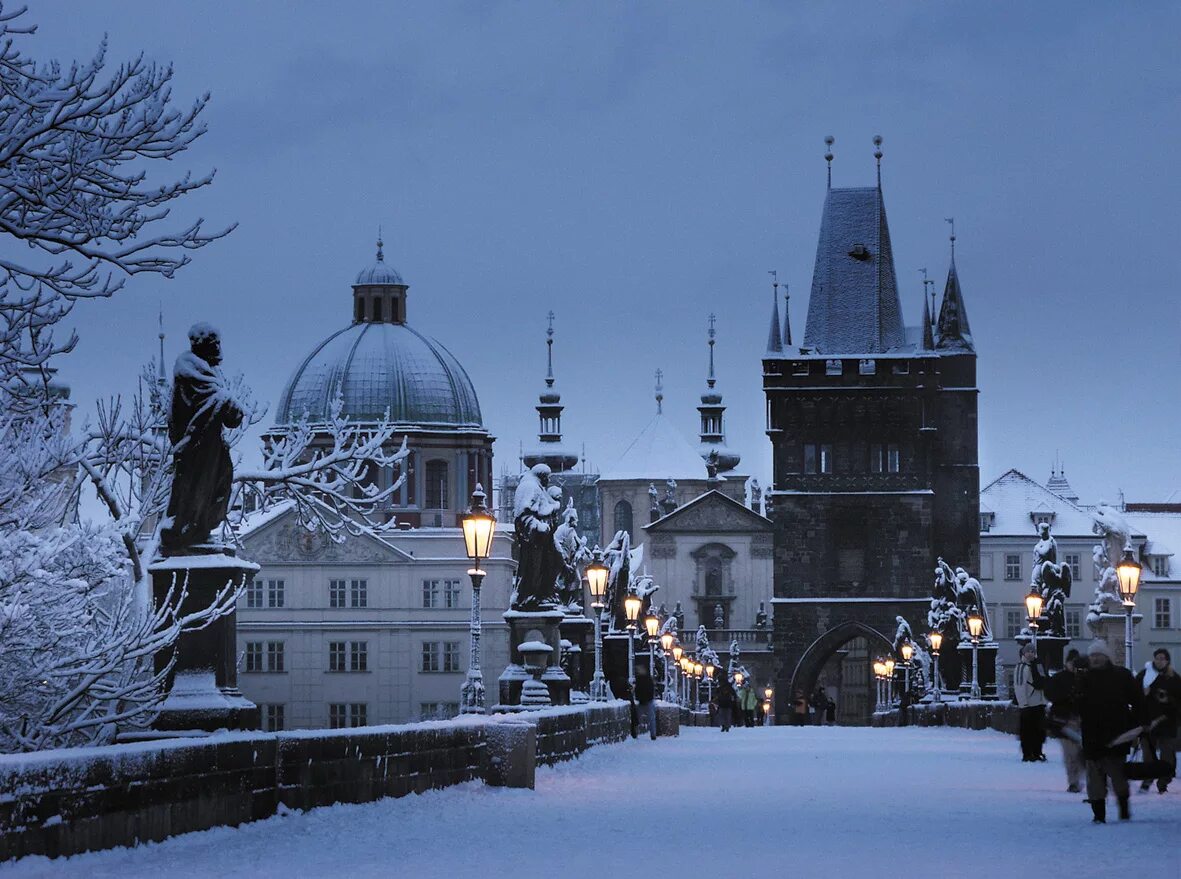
<point x="774" y="340"/>
<point x="713" y="413"/>
<point x="928" y="336"/>
<point x="786" y="315"/>
<point x="659" y="391"/>
<point x="549" y="417"/>
<point x="953" y="332"/>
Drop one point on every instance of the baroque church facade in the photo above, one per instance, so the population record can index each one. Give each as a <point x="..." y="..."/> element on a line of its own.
<point x="873" y="427"/>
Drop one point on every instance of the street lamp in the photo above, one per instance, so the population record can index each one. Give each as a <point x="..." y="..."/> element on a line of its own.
<point x="596" y="577"/>
<point x="686" y="674"/>
<point x="1033" y="610"/>
<point x="768" y="692"/>
<point x="936" y="641"/>
<point x="975" y="629"/>
<point x="652" y="627"/>
<point x="479" y="526"/>
<point x="889" y="664"/>
<point x="698" y="671"/>
<point x="631" y="610"/>
<point x="879" y="673"/>
<point x="907" y="651"/>
<point x="1128" y="570"/>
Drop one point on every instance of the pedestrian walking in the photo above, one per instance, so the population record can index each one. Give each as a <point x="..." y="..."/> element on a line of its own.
<point x="726" y="702"/>
<point x="819" y="705"/>
<point x="1162" y="704"/>
<point x="800" y="709"/>
<point x="1110" y="704"/>
<point x="1028" y="681"/>
<point x="646" y="699"/>
<point x="1064" y="720"/>
<point x="830" y="710"/>
<point x="748" y="702"/>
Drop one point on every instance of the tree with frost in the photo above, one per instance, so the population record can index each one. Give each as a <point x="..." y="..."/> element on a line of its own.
<point x="79" y="632"/>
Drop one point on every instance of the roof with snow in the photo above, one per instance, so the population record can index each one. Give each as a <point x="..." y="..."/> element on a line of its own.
<point x="953" y="332"/>
<point x="1014" y="497"/>
<point x="379" y="273"/>
<point x="1164" y="539"/>
<point x="854" y="306"/>
<point x="659" y="452"/>
<point x="736" y="516"/>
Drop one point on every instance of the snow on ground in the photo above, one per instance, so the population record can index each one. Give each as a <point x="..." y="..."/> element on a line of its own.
<point x="758" y="802"/>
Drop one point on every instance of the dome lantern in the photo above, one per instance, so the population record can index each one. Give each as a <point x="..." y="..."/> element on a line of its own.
<point x="379" y="293"/>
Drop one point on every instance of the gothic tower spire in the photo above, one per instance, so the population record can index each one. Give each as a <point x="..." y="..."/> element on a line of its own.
<point x="549" y="418"/>
<point x="713" y="413"/>
<point x="774" y="340"/>
<point x="953" y="331"/>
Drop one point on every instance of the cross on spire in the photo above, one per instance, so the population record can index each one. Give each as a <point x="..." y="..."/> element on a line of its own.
<point x="380" y="245"/>
<point x="549" y="351"/>
<point x="710" y="380"/>
<point x="659" y="391"/>
<point x="951" y="221"/>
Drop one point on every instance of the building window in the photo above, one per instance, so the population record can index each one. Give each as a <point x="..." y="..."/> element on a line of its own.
<point x="336" y="654"/>
<point x="274" y="717"/>
<point x="885" y="458"/>
<point x="451" y="656"/>
<point x="623" y="517"/>
<point x="986" y="522"/>
<point x="799" y="367"/>
<point x="359" y="593"/>
<point x="440" y="593"/>
<point x="436" y="485"/>
<point x="275" y="656"/>
<point x="1074" y="623"/>
<point x="254" y="594"/>
<point x="274" y="593"/>
<point x="254" y="656"/>
<point x="337" y="715"/>
<point x="1014" y="621"/>
<point x="1162" y="613"/>
<point x="377" y="310"/>
<point x="358" y="656"/>
<point x="1012" y="566"/>
<point x="336" y="593"/>
<point x="431" y="652"/>
<point x="358" y="714"/>
<point x="1074" y="563"/>
<point x="832" y="367"/>
<point x="1160" y="565"/>
<point x="817" y="458"/>
<point x="1040" y="519"/>
<point x="437" y="710"/>
<point x="451" y="593"/>
<point x="360" y="310"/>
<point x="986" y="566"/>
<point x="867" y="367"/>
<point x="430" y="593"/>
<point x="893" y="459"/>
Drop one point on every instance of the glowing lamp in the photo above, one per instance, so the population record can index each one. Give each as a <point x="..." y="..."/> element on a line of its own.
<point x="478" y="527"/>
<point x="1128" y="570"/>
<point x="907" y="651"/>
<point x="596" y="577"/>
<point x="631" y="607"/>
<point x="1033" y="606"/>
<point x="666" y="641"/>
<point x="975" y="624"/>
<point x="652" y="625"/>
<point x="936" y="639"/>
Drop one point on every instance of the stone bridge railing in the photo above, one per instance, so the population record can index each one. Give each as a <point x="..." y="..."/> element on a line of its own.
<point x="978" y="714"/>
<point x="63" y="802"/>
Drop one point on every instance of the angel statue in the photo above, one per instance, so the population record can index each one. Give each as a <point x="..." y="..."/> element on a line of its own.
<point x="535" y="521"/>
<point x="1050" y="580"/>
<point x="621" y="560"/>
<point x="970" y="596"/>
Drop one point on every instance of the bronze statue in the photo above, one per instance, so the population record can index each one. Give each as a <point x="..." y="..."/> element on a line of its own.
<point x="535" y="520"/>
<point x="202" y="408"/>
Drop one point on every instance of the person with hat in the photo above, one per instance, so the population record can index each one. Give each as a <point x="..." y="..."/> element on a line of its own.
<point x="1110" y="703"/>
<point x="1028" y="681"/>
<point x="1162" y="702"/>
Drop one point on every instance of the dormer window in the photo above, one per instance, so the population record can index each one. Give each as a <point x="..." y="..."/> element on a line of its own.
<point x="867" y="367"/>
<point x="1041" y="518"/>
<point x="859" y="252"/>
<point x="832" y="367"/>
<point x="987" y="522"/>
<point x="1159" y="565"/>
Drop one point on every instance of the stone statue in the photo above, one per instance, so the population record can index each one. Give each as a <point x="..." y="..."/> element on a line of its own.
<point x="670" y="496"/>
<point x="761" y="616"/>
<point x="756" y="496"/>
<point x="1051" y="580"/>
<point x="719" y="617"/>
<point x="711" y="465"/>
<point x="535" y="521"/>
<point x="574" y="554"/>
<point x="202" y="408"/>
<point x="619" y="560"/>
<point x="971" y="595"/>
<point x="653" y="503"/>
<point x="680" y="616"/>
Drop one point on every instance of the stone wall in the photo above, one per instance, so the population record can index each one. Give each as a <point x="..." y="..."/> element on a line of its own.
<point x="63" y="802"/>
<point x="1000" y="716"/>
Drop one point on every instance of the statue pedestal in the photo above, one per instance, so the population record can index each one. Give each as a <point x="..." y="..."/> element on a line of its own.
<point x="544" y="625"/>
<point x="1112" y="628"/>
<point x="202" y="687"/>
<point x="580" y="633"/>
<point x="1050" y="649"/>
<point x="986" y="669"/>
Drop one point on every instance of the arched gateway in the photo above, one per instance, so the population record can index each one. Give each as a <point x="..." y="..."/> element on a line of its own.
<point x="874" y="439"/>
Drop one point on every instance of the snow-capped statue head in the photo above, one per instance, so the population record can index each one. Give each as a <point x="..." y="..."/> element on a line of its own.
<point x="205" y="342"/>
<point x="1043" y="530"/>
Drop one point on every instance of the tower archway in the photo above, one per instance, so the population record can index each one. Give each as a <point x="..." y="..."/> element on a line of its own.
<point x="840" y="660"/>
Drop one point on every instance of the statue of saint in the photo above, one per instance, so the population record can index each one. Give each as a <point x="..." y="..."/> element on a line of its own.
<point x="535" y="520"/>
<point x="202" y="408"/>
<point x="1051" y="580"/>
<point x="574" y="553"/>
<point x="761" y="616"/>
<point x="653" y="503"/>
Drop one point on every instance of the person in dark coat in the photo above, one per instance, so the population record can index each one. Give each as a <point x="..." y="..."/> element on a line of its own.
<point x="727" y="699"/>
<point x="1162" y="705"/>
<point x="1029" y="680"/>
<point x="646" y="699"/>
<point x="1110" y="704"/>
<point x="800" y="709"/>
<point x="1064" y="719"/>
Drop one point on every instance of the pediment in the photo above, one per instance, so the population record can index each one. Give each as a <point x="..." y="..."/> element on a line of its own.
<point x="711" y="513"/>
<point x="285" y="541"/>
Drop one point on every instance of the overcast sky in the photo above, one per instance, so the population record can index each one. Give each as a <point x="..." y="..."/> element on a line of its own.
<point x="634" y="166"/>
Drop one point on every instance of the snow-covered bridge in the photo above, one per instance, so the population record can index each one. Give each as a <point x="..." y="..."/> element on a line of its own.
<point x="764" y="802"/>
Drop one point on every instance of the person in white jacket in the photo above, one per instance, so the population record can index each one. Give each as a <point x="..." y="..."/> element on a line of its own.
<point x="1029" y="679"/>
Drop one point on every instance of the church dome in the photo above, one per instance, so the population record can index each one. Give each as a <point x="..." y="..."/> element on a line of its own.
<point x="377" y="367"/>
<point x="378" y="273"/>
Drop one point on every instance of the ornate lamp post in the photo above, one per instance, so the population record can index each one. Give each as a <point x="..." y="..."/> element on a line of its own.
<point x="975" y="629"/>
<point x="596" y="577"/>
<point x="1033" y="612"/>
<point x="652" y="627"/>
<point x="936" y="641"/>
<point x="709" y="681"/>
<point x="907" y="651"/>
<point x="479" y="525"/>
<point x="679" y="665"/>
<point x="631" y="609"/>
<point x="1128" y="570"/>
<point x="768" y="692"/>
<point x="698" y="671"/>
<point x="879" y="675"/>
<point x="666" y="644"/>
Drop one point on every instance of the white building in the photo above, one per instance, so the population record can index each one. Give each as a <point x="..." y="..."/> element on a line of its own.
<point x="375" y="630"/>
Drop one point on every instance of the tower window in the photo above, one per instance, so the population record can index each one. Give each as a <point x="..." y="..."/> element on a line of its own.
<point x="623" y="517"/>
<point x="436" y="485"/>
<point x="817" y="458"/>
<point x="360" y="303"/>
<point x="377" y="310"/>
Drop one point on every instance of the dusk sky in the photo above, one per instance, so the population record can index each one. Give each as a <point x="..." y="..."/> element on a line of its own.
<point x="634" y="167"/>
